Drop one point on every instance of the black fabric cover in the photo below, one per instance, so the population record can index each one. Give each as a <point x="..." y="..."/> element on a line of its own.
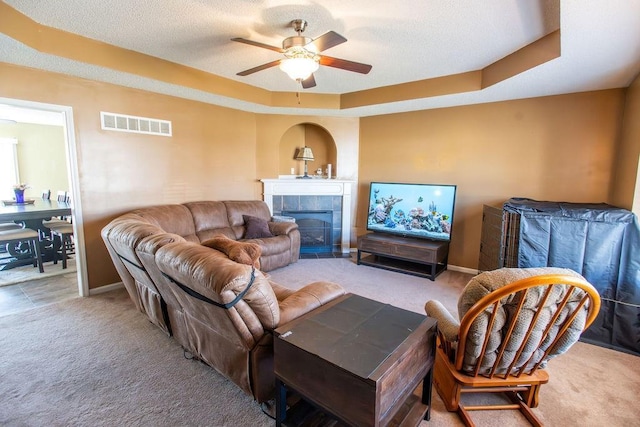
<point x="599" y="241"/>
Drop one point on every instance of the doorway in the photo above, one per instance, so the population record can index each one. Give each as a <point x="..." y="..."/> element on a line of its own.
<point x="37" y="112"/>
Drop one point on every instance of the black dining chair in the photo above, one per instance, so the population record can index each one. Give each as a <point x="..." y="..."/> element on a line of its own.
<point x="61" y="230"/>
<point x="64" y="235"/>
<point x="28" y="236"/>
<point x="62" y="197"/>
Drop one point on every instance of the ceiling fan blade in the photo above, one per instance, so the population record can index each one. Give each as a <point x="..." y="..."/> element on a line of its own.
<point x="309" y="82"/>
<point x="327" y="41"/>
<point x="259" y="68"/>
<point x="356" y="67"/>
<point x="258" y="44"/>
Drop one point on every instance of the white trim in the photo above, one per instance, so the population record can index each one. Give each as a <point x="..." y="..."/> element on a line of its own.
<point x="106" y="288"/>
<point x="462" y="269"/>
<point x="76" y="201"/>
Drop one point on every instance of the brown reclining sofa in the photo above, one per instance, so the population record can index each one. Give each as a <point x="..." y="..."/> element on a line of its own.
<point x="220" y="310"/>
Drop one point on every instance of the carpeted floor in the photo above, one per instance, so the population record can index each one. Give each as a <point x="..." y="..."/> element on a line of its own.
<point x="98" y="362"/>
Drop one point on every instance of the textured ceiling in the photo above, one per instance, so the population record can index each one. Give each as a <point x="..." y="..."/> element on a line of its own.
<point x="404" y="41"/>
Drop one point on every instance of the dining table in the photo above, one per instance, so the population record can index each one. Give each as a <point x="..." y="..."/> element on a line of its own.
<point x="30" y="215"/>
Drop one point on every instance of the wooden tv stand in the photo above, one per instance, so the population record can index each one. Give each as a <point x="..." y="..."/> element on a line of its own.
<point x="424" y="258"/>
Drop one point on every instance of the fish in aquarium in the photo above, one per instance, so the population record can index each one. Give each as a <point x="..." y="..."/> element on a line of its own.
<point x="410" y="212"/>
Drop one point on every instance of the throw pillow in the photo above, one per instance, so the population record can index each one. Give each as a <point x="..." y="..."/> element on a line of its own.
<point x="240" y="252"/>
<point x="256" y="228"/>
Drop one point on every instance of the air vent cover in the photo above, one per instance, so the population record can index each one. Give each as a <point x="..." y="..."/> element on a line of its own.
<point x="135" y="124"/>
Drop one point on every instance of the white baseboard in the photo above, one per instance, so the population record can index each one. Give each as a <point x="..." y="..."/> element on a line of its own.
<point x="106" y="288"/>
<point x="462" y="269"/>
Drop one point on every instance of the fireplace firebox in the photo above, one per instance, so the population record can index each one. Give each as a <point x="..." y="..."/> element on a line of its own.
<point x="315" y="230"/>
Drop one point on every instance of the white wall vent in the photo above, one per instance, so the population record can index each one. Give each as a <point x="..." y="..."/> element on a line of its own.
<point x="135" y="124"/>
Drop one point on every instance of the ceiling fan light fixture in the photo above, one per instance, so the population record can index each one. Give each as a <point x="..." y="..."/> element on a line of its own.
<point x="299" y="63"/>
<point x="298" y="68"/>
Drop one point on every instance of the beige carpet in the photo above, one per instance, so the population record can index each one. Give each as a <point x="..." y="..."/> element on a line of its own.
<point x="98" y="362"/>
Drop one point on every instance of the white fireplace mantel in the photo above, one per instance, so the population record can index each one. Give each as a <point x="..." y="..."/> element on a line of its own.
<point x="314" y="187"/>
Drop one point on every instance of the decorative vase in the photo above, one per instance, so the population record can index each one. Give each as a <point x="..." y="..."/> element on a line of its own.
<point x="19" y="196"/>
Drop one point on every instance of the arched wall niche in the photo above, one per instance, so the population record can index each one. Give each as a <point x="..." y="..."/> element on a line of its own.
<point x="311" y="135"/>
<point x="343" y="131"/>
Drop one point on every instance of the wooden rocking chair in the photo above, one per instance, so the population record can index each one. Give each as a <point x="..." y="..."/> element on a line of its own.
<point x="512" y="322"/>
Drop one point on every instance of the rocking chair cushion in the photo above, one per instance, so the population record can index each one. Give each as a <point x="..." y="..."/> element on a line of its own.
<point x="489" y="281"/>
<point x="447" y="324"/>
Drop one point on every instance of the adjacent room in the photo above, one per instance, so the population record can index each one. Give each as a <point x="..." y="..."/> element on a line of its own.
<point x="319" y="213"/>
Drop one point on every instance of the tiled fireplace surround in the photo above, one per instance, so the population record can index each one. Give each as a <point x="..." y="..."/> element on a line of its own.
<point x="314" y="195"/>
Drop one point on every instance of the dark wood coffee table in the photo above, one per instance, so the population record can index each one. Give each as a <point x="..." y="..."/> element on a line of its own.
<point x="357" y="360"/>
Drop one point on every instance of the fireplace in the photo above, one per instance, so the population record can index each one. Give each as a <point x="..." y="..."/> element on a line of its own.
<point x="315" y="230"/>
<point x="294" y="195"/>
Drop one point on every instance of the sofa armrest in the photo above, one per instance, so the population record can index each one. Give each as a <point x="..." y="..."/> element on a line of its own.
<point x="447" y="324"/>
<point x="152" y="243"/>
<point x="282" y="228"/>
<point x="307" y="299"/>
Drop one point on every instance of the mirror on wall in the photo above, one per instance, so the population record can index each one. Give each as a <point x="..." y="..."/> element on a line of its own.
<point x="320" y="142"/>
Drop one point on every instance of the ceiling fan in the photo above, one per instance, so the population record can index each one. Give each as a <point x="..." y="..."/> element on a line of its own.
<point x="302" y="55"/>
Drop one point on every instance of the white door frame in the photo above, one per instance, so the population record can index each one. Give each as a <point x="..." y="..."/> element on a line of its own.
<point x="72" y="170"/>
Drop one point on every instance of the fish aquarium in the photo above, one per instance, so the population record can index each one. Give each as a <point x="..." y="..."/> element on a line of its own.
<point x="424" y="211"/>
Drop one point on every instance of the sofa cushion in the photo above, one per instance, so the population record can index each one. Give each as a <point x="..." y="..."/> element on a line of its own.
<point x="237" y="208"/>
<point x="242" y="252"/>
<point x="256" y="228"/>
<point x="175" y="219"/>
<point x="210" y="219"/>
<point x="273" y="245"/>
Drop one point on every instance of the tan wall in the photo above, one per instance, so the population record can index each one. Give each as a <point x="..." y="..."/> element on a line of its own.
<point x="324" y="150"/>
<point x="210" y="156"/>
<point x="626" y="186"/>
<point x="309" y="135"/>
<point x="553" y="148"/>
<point x="42" y="159"/>
<point x="343" y="130"/>
<point x="291" y="141"/>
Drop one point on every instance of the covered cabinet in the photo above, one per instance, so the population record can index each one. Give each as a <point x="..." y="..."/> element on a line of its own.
<point x="599" y="241"/>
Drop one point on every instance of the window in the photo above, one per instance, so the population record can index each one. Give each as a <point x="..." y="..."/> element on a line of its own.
<point x="8" y="167"/>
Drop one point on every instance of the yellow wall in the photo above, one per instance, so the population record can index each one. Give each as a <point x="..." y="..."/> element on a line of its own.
<point x="42" y="161"/>
<point x="553" y="148"/>
<point x="626" y="186"/>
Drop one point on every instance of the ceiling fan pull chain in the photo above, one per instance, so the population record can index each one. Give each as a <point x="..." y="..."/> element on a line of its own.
<point x="299" y="86"/>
